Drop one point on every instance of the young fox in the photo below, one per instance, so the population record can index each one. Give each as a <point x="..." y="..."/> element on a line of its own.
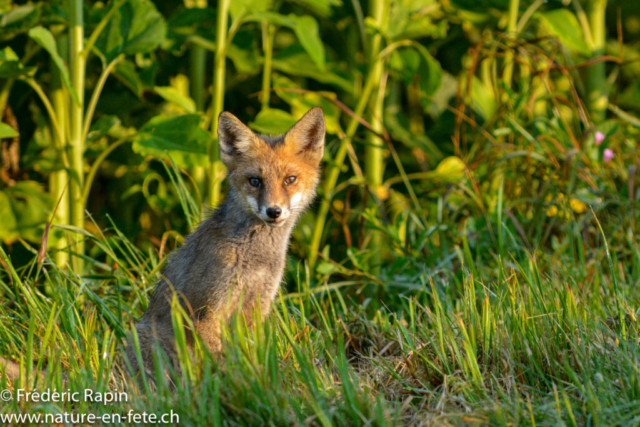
<point x="235" y="259"/>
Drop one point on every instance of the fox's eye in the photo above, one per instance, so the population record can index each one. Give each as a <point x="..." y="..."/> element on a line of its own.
<point x="255" y="182"/>
<point x="290" y="180"/>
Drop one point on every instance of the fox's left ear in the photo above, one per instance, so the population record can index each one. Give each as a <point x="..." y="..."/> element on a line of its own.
<point x="306" y="137"/>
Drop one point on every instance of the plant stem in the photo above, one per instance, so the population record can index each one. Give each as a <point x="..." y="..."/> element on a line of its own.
<point x="374" y="150"/>
<point x="333" y="171"/>
<point x="76" y="143"/>
<point x="216" y="167"/>
<point x="512" y="26"/>
<point x="4" y="94"/>
<point x="596" y="79"/>
<point x="268" y="34"/>
<point x="197" y="81"/>
<point x="58" y="179"/>
<point x="47" y="104"/>
<point x="93" y="102"/>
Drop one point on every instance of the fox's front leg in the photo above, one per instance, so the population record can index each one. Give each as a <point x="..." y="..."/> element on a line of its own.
<point x="209" y="329"/>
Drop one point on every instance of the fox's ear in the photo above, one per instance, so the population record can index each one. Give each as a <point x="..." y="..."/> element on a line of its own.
<point x="306" y="137"/>
<point x="234" y="137"/>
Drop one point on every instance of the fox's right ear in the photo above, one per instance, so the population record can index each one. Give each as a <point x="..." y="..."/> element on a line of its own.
<point x="234" y="138"/>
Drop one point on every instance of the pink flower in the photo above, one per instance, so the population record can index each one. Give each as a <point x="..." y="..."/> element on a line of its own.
<point x="599" y="137"/>
<point x="608" y="155"/>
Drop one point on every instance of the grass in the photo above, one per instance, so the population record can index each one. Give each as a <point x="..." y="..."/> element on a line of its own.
<point x="480" y="340"/>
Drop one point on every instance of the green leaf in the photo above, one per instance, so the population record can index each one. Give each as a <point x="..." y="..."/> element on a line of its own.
<point x="24" y="209"/>
<point x="239" y="7"/>
<point x="484" y="101"/>
<point x="101" y="127"/>
<point x="563" y="24"/>
<point x="171" y="94"/>
<point x="181" y="138"/>
<point x="294" y="61"/>
<point x="45" y="39"/>
<point x="404" y="63"/>
<point x="19" y="20"/>
<point x="429" y="71"/>
<point x="320" y="7"/>
<point x="7" y="131"/>
<point x="273" y="121"/>
<point x="243" y="52"/>
<point x="306" y="30"/>
<point x="10" y="66"/>
<point x="302" y="102"/>
<point x="411" y="19"/>
<point x="126" y="72"/>
<point x="137" y="27"/>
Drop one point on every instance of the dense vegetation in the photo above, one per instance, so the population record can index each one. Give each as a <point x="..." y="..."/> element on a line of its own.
<point x="472" y="257"/>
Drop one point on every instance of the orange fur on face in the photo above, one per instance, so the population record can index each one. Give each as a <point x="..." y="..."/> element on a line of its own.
<point x="272" y="165"/>
<point x="273" y="160"/>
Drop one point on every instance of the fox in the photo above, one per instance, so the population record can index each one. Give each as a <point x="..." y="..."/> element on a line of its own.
<point x="235" y="259"/>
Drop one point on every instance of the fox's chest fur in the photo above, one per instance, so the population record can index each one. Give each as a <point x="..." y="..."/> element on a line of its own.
<point x="230" y="262"/>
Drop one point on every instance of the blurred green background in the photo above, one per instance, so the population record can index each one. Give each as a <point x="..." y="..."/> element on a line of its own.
<point x="472" y="256"/>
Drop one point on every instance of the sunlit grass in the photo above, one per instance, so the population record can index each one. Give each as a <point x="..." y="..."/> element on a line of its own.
<point x="526" y="339"/>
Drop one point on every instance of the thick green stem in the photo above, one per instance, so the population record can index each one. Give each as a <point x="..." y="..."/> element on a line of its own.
<point x="333" y="171"/>
<point x="596" y="78"/>
<point x="197" y="69"/>
<point x="216" y="167"/>
<point x="58" y="179"/>
<point x="76" y="116"/>
<point x="374" y="150"/>
<point x="268" y="34"/>
<point x="197" y="89"/>
<point x="512" y="26"/>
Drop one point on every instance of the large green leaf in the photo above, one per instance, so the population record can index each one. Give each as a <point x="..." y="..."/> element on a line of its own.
<point x="24" y="209"/>
<point x="273" y="121"/>
<point x="294" y="61"/>
<point x="306" y="30"/>
<point x="429" y="71"/>
<point x="136" y="27"/>
<point x="181" y="138"/>
<point x="45" y="39"/>
<point x="563" y="24"/>
<point x="409" y="62"/>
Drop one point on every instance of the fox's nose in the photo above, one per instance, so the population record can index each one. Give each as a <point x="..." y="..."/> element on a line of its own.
<point x="274" y="212"/>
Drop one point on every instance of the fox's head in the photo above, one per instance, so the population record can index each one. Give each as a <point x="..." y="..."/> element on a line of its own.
<point x="275" y="177"/>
